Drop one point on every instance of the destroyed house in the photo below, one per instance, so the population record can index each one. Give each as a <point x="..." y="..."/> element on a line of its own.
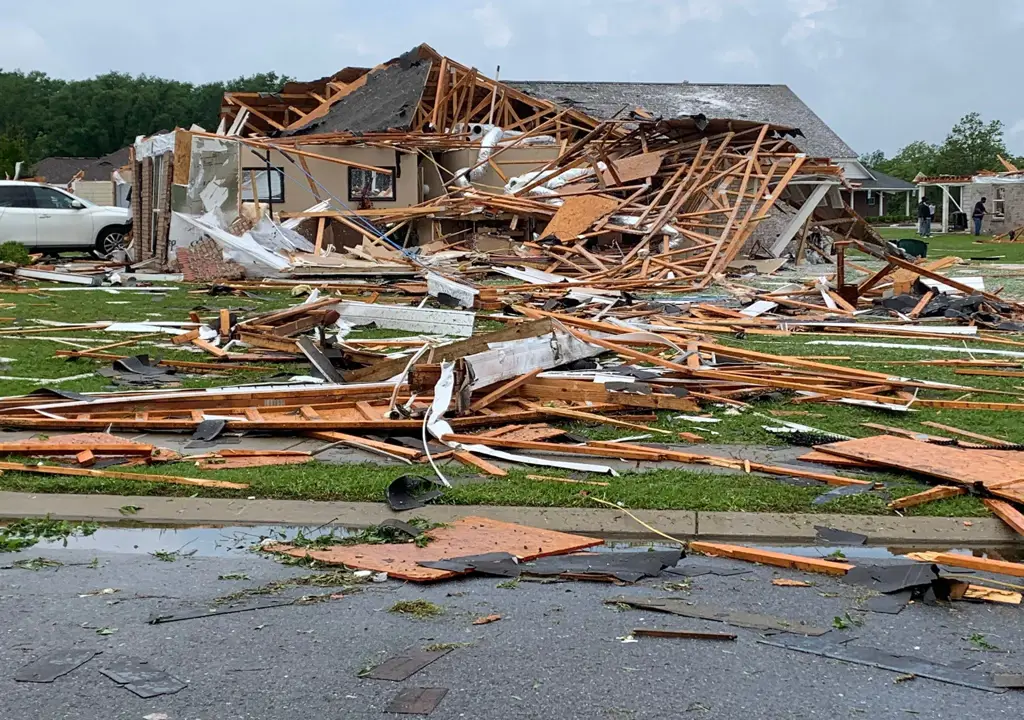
<point x="421" y="148"/>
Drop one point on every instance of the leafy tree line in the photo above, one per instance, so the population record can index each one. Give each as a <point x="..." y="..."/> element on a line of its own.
<point x="41" y="116"/>
<point x="971" y="145"/>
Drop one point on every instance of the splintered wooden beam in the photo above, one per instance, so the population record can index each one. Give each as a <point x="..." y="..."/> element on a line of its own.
<point x="1007" y="513"/>
<point x="767" y="557"/>
<point x="468" y="458"/>
<point x="504" y="390"/>
<point x="931" y="495"/>
<point x="1001" y="567"/>
<point x="109" y="475"/>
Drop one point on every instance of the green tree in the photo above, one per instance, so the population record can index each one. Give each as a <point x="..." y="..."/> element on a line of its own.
<point x="13" y="149"/>
<point x="916" y="158"/>
<point x="972" y="145"/>
<point x="88" y="118"/>
<point x="873" y="159"/>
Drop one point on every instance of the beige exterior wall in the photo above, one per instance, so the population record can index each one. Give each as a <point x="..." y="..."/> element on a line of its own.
<point x="513" y="162"/>
<point x="100" y="192"/>
<point x="334" y="177"/>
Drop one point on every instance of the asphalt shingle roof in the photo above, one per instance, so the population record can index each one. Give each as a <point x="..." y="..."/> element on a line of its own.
<point x="775" y="104"/>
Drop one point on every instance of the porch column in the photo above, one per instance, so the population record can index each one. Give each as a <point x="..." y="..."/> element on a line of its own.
<point x="907" y="211"/>
<point x="945" y="209"/>
<point x="881" y="203"/>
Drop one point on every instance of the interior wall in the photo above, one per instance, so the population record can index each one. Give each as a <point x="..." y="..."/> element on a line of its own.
<point x="333" y="178"/>
<point x="512" y="162"/>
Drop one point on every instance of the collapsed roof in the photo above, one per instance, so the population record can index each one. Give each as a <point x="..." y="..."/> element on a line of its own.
<point x="772" y="104"/>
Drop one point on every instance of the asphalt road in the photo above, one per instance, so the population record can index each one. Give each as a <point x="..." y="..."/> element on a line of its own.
<point x="557" y="652"/>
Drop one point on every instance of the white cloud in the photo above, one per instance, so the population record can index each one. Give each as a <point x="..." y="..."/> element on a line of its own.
<point x="22" y="47"/>
<point x="799" y="30"/>
<point x="495" y="28"/>
<point x="806" y="8"/>
<point x="738" y="56"/>
<point x="1017" y="128"/>
<point x="597" y="26"/>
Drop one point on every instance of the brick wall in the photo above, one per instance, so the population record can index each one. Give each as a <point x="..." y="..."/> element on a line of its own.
<point x="1013" y="203"/>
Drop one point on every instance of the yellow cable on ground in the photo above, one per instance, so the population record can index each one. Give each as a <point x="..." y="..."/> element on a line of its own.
<point x="653" y="530"/>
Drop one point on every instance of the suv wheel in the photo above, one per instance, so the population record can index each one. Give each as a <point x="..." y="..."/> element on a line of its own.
<point x="111" y="240"/>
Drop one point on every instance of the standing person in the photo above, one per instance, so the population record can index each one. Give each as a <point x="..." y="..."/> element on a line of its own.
<point x="924" y="219"/>
<point x="978" y="214"/>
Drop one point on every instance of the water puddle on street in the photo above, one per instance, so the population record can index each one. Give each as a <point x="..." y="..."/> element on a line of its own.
<point x="212" y="541"/>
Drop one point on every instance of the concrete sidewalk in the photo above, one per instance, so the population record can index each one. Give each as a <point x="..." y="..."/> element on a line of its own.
<point x="682" y="524"/>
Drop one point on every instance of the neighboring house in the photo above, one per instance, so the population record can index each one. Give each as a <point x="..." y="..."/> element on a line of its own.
<point x="96" y="182"/>
<point x="867" y="197"/>
<point x="1003" y="193"/>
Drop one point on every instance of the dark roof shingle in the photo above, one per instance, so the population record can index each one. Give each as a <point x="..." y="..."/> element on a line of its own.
<point x="775" y="104"/>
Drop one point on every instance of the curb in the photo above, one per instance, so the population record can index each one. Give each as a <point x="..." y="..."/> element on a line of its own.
<point x="682" y="524"/>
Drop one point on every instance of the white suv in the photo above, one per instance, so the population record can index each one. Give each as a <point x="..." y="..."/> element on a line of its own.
<point x="45" y="217"/>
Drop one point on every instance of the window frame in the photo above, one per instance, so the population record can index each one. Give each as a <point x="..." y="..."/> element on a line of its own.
<point x="872" y="199"/>
<point x="270" y="186"/>
<point x="999" y="203"/>
<point x="357" y="197"/>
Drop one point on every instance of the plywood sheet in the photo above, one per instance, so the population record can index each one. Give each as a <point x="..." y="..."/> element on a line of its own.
<point x="635" y="167"/>
<point x="466" y="536"/>
<point x="578" y="214"/>
<point x="182" y="157"/>
<point x="1001" y="472"/>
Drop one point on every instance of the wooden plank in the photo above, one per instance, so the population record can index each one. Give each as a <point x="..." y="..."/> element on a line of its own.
<point x="241" y="463"/>
<point x="925" y="299"/>
<point x="767" y="557"/>
<point x="504" y="390"/>
<point x="225" y="323"/>
<point x="940" y="492"/>
<point x="30" y="447"/>
<point x="182" y="339"/>
<point x="683" y="634"/>
<point x="208" y="347"/>
<point x="574" y="414"/>
<point x="966" y="433"/>
<point x="465" y="536"/>
<point x="399" y="450"/>
<point x="970" y="562"/>
<point x="321" y="225"/>
<point x="108" y="475"/>
<point x="468" y="458"/>
<point x="1007" y="513"/>
<point x="999" y="471"/>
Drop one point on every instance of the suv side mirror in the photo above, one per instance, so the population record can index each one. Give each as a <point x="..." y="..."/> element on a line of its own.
<point x="77" y="205"/>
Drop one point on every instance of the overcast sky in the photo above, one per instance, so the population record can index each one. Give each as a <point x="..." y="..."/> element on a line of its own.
<point x="842" y="57"/>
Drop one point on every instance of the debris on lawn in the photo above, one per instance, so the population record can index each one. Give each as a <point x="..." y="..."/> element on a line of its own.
<point x="506" y="270"/>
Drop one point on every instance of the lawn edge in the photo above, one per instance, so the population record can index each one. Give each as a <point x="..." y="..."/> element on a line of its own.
<point x="914" y="532"/>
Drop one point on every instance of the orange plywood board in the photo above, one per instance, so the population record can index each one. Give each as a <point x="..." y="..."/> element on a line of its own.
<point x="1001" y="472"/>
<point x="466" y="536"/>
<point x="577" y="214"/>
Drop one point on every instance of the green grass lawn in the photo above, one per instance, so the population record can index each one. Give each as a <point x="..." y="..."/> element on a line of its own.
<point x="657" y="489"/>
<point x="961" y="245"/>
